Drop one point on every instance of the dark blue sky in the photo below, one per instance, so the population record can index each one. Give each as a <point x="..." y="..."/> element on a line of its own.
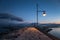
<point x="26" y="9"/>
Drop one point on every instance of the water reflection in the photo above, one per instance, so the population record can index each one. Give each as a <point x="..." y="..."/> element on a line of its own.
<point x="55" y="32"/>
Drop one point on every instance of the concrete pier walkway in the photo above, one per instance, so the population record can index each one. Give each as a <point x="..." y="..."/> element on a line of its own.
<point x="31" y="33"/>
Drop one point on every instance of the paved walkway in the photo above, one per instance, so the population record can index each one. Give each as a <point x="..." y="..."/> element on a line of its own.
<point x="31" y="33"/>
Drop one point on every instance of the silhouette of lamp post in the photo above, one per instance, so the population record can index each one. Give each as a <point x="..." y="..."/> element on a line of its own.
<point x="37" y="11"/>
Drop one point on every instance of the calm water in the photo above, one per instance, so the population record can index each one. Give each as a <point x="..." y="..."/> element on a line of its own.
<point x="55" y="32"/>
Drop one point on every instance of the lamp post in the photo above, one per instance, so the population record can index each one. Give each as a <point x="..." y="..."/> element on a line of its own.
<point x="44" y="14"/>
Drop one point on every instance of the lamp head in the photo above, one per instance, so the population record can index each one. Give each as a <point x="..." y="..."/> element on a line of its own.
<point x="44" y="13"/>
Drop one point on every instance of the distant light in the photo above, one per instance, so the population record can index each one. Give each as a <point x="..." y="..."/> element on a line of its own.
<point x="44" y="14"/>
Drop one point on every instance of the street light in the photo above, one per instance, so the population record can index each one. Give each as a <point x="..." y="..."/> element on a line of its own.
<point x="44" y="14"/>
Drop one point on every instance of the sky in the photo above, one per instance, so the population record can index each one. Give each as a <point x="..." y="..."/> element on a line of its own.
<point x="26" y="9"/>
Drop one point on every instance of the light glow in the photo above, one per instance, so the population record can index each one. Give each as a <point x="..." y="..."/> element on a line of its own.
<point x="44" y="14"/>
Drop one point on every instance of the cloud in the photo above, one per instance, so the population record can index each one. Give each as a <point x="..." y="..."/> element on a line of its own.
<point x="9" y="16"/>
